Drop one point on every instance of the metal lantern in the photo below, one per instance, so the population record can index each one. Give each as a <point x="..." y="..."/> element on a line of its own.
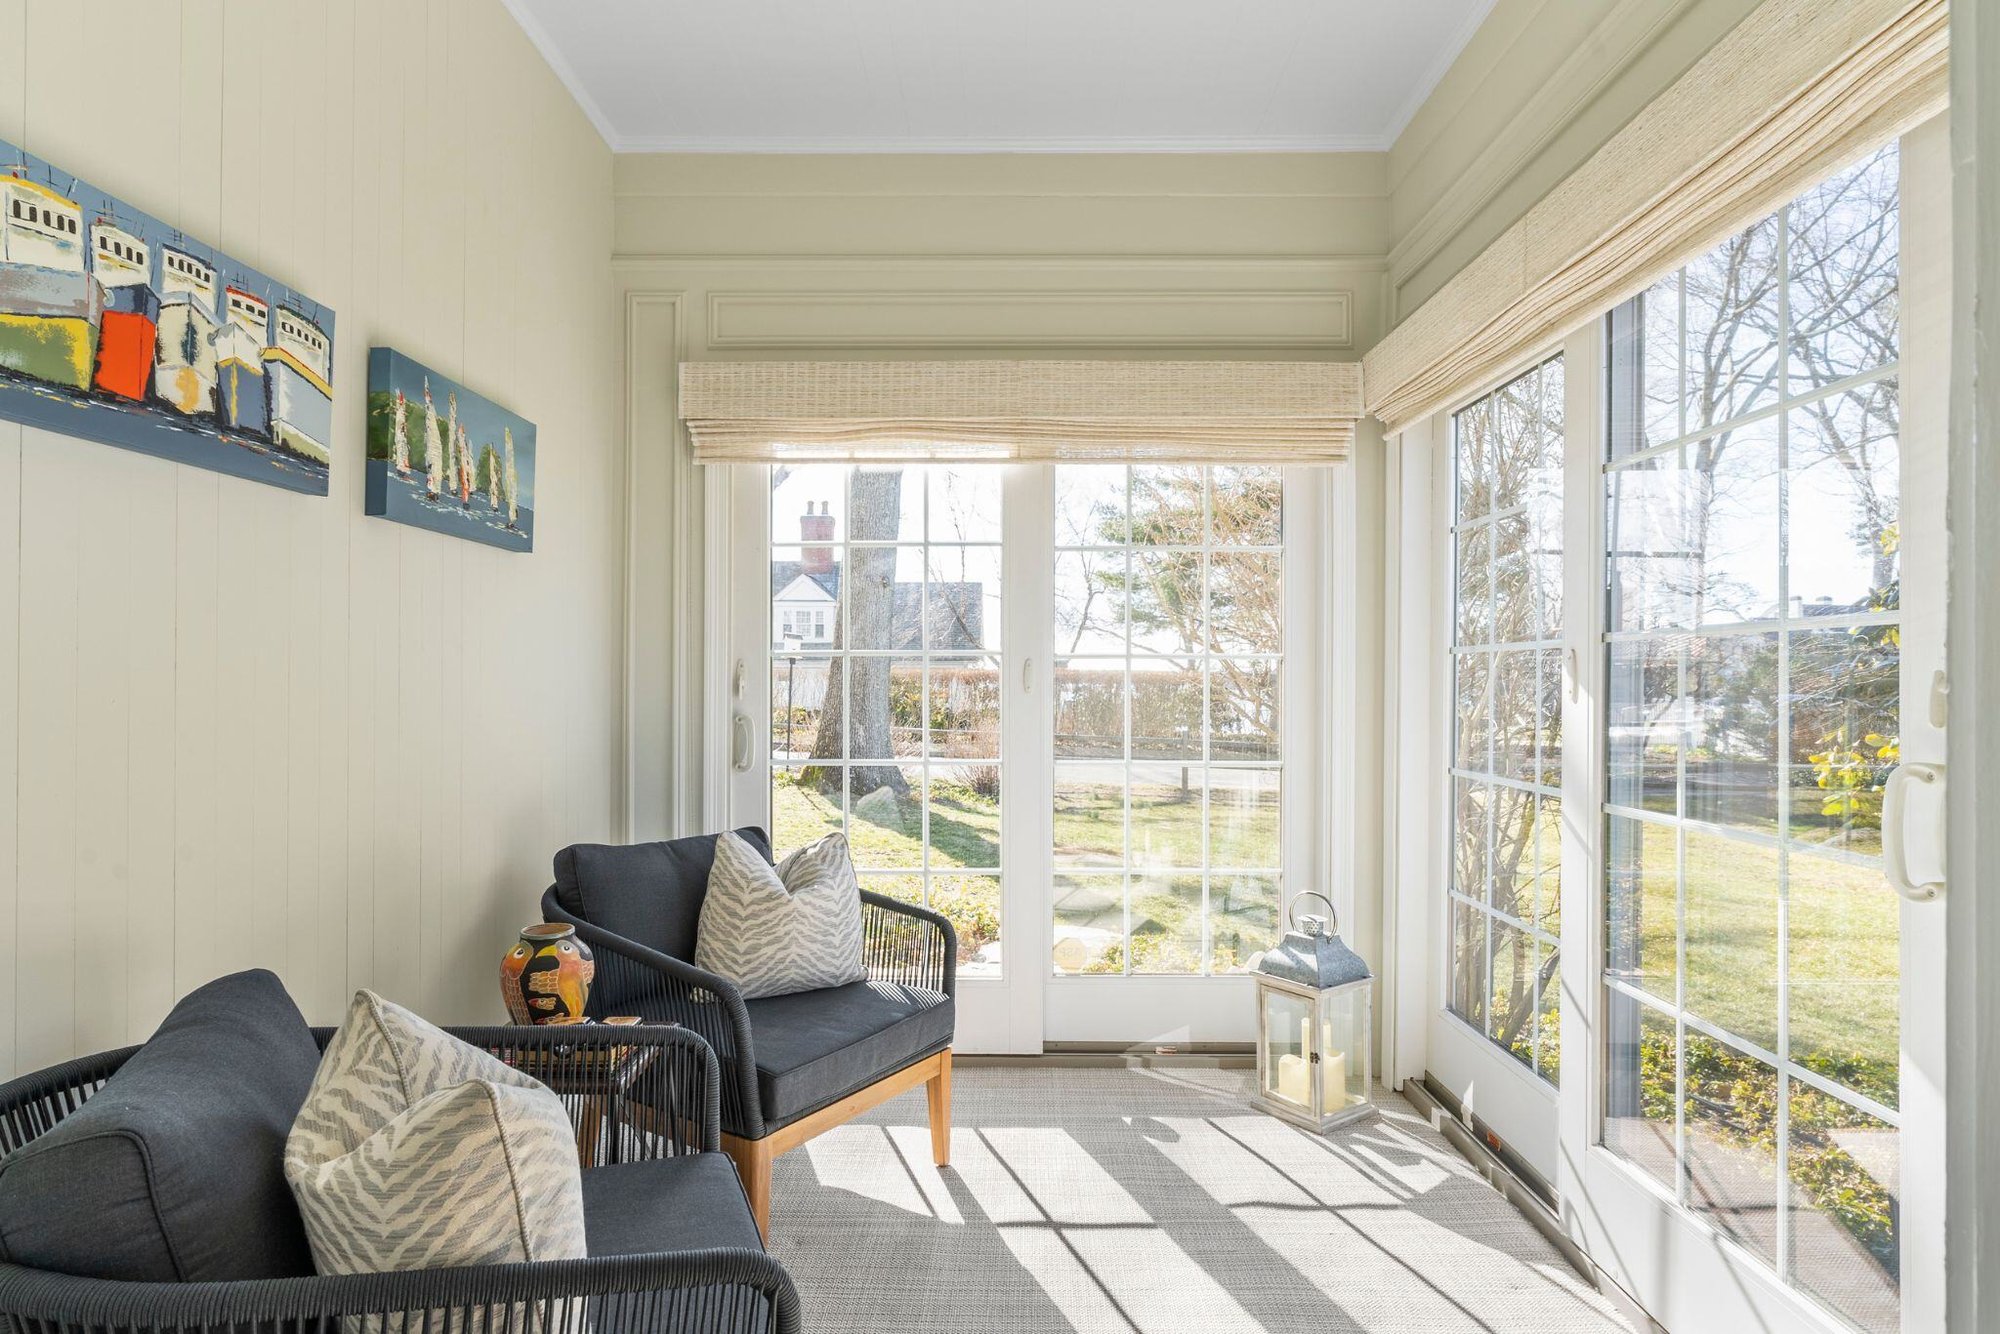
<point x="1315" y="1019"/>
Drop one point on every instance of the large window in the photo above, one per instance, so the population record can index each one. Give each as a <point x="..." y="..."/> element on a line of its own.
<point x="1506" y="768"/>
<point x="1752" y="530"/>
<point x="885" y="683"/>
<point x="1168" y="754"/>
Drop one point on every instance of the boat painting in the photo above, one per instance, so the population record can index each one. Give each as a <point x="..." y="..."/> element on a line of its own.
<point x="118" y="328"/>
<point x="445" y="458"/>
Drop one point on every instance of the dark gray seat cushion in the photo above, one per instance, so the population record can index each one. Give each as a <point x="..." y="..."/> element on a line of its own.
<point x="649" y="893"/>
<point x="816" y="1047"/>
<point x="174" y="1169"/>
<point x="690" y="1203"/>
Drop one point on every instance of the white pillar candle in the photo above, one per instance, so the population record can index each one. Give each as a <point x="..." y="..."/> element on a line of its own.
<point x="1294" y="1080"/>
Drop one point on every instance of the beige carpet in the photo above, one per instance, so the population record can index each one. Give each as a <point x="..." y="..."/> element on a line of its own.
<point x="1156" y="1201"/>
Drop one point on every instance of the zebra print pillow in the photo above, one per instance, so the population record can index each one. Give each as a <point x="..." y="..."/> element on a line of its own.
<point x="417" y="1151"/>
<point x="777" y="930"/>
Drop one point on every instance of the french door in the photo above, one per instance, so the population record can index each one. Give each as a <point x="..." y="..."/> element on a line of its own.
<point x="1057" y="704"/>
<point x="1689" y="641"/>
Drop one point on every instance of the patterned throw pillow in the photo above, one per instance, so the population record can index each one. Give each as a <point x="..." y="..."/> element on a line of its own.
<point x="777" y="930"/>
<point x="417" y="1151"/>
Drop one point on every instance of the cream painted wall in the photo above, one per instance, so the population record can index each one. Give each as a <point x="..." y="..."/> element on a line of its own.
<point x="1541" y="85"/>
<point x="243" y="727"/>
<point x="744" y="256"/>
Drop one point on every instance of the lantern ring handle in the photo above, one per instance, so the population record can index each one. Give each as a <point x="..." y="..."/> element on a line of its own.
<point x="1332" y="914"/>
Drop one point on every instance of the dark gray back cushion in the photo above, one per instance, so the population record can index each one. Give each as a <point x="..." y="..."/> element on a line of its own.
<point x="649" y="893"/>
<point x="174" y="1170"/>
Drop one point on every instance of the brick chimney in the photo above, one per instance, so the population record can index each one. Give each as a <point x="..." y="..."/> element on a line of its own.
<point x="816" y="528"/>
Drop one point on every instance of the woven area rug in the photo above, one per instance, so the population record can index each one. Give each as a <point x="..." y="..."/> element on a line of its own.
<point x="1155" y="1200"/>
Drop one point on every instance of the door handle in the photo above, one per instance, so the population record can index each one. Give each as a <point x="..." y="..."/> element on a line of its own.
<point x="739" y="741"/>
<point x="1895" y="864"/>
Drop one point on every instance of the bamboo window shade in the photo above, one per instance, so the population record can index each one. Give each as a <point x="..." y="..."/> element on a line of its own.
<point x="1792" y="93"/>
<point x="1025" y="411"/>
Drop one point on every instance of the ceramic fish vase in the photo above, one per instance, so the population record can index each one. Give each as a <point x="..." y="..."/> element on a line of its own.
<point x="546" y="977"/>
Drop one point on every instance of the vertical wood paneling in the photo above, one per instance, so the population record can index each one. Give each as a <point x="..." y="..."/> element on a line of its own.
<point x="243" y="728"/>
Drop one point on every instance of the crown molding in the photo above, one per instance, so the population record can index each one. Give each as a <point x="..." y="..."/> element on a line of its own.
<point x="1421" y="91"/>
<point x="552" y="56"/>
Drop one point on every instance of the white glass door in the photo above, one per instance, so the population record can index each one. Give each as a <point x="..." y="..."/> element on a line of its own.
<point x="1765" y="1149"/>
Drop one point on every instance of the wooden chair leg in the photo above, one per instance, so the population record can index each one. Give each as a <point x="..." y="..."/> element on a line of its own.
<point x="753" y="1166"/>
<point x="938" y="1090"/>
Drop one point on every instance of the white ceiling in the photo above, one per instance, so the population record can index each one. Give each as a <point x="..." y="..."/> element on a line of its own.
<point x="856" y="76"/>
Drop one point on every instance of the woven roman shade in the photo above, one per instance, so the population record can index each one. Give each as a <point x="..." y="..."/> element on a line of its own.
<point x="1004" y="411"/>
<point x="1793" y="92"/>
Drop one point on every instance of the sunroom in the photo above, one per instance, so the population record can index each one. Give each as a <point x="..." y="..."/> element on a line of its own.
<point x="891" y="667"/>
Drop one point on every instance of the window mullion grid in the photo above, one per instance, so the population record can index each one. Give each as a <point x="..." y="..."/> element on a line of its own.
<point x="1131" y="690"/>
<point x="1784" y="756"/>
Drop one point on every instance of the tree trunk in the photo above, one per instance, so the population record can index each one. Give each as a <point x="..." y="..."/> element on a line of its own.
<point x="868" y="588"/>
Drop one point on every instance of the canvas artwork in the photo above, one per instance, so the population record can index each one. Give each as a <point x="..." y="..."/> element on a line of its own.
<point x="116" y="327"/>
<point x="445" y="458"/>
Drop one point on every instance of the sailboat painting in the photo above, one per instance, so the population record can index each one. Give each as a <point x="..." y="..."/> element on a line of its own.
<point x="445" y="458"/>
<point x="119" y="328"/>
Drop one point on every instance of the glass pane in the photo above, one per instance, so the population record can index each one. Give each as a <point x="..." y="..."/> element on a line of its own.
<point x="1516" y="710"/>
<point x="1653" y="569"/>
<point x="1243" y="818"/>
<point x="809" y="503"/>
<point x="1288" y="1047"/>
<point x="798" y="704"/>
<point x="805" y="599"/>
<point x="1659" y="361"/>
<point x="1644" y="723"/>
<point x="972" y="904"/>
<point x="1547" y="910"/>
<point x="1090" y="709"/>
<point x="1512" y="812"/>
<point x="885" y="804"/>
<point x="1515" y="610"/>
<point x="1844" y="928"/>
<point x="1474" y="723"/>
<point x="885" y="504"/>
<point x="1732" y="752"/>
<point x="1243" y="716"/>
<point x="1245" y="611"/>
<point x="964" y="815"/>
<point x="1732" y="327"/>
<point x="1472" y="807"/>
<point x="1733" y="502"/>
<point x="962" y="599"/>
<point x="1242" y="920"/>
<point x="964" y="504"/>
<point x="1090" y="504"/>
<point x="1166" y="710"/>
<point x="1090" y="814"/>
<point x="884" y="591"/>
<point x="1166" y="924"/>
<point x="1844" y="1201"/>
<point x="1639" y="1086"/>
<point x="904" y="888"/>
<point x="885" y="707"/>
<point x="1090" y="602"/>
<point x="1475" y="585"/>
<point x="1732" y="1151"/>
<point x="1842" y="500"/>
<point x="1732" y="935"/>
<point x="805" y="807"/>
<point x="1642" y="929"/>
<point x="1548" y="1014"/>
<point x="1845" y="687"/>
<point x="1472" y="433"/>
<point x="1468" y="964"/>
<point x="1168" y="506"/>
<point x="1249" y="506"/>
<point x="1843" y="262"/>
<point x="1166" y="815"/>
<point x="1165" y="602"/>
<point x="962" y="707"/>
<point x="1510" y="1014"/>
<point x="1089" y="924"/>
<point x="1548" y="718"/>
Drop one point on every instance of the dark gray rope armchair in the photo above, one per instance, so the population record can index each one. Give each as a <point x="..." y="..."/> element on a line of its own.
<point x="634" y="1095"/>
<point x="792" y="1066"/>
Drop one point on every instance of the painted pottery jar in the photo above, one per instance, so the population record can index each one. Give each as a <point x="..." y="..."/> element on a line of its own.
<point x="546" y="976"/>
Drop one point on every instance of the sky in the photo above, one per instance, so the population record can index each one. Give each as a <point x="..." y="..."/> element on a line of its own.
<point x="96" y="203"/>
